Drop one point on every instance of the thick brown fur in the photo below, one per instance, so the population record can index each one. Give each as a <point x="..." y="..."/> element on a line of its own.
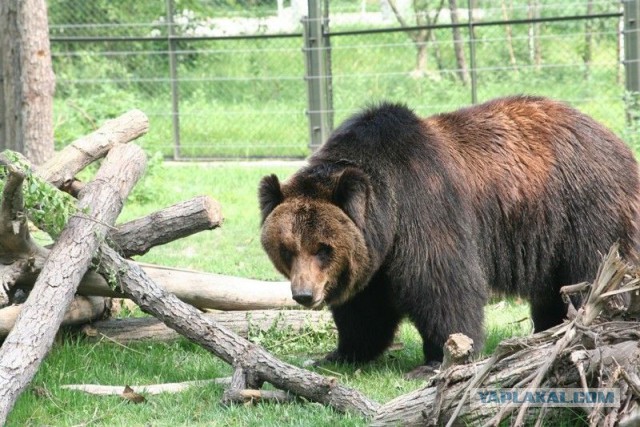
<point x="397" y="216"/>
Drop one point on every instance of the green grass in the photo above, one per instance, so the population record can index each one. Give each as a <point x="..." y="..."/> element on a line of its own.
<point x="233" y="249"/>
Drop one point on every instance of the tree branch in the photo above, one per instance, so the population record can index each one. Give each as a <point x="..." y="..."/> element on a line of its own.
<point x="62" y="168"/>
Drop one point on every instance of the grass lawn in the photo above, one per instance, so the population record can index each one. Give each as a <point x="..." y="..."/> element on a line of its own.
<point x="233" y="249"/>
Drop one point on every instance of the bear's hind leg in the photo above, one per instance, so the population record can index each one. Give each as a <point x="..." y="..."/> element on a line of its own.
<point x="547" y="312"/>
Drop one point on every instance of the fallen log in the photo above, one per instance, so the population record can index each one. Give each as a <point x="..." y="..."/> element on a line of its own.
<point x="33" y="334"/>
<point x="136" y="329"/>
<point x="207" y="290"/>
<point x="82" y="310"/>
<point x="202" y="290"/>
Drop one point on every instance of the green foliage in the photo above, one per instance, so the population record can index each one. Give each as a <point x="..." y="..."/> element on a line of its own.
<point x="48" y="208"/>
<point x="146" y="189"/>
<point x="287" y="341"/>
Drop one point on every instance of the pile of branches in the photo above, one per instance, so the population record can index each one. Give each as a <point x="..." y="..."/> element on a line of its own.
<point x="598" y="348"/>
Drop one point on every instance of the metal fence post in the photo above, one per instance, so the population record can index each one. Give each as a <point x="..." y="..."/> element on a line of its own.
<point x="317" y="51"/>
<point x="631" y="17"/>
<point x="472" y="55"/>
<point x="173" y="76"/>
<point x="3" y="141"/>
<point x="632" y="44"/>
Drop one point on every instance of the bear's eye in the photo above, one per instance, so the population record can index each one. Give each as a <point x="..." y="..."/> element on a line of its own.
<point x="286" y="255"/>
<point x="324" y="253"/>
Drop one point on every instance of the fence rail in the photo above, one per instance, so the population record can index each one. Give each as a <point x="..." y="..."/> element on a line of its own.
<point x="277" y="94"/>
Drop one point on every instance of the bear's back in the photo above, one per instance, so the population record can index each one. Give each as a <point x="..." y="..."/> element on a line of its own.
<point x="550" y="186"/>
<point x="534" y="177"/>
<point x="380" y="138"/>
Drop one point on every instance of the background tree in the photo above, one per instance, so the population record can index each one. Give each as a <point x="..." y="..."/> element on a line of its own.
<point x="423" y="17"/>
<point x="507" y="28"/>
<point x="587" y="55"/>
<point x="535" y="52"/>
<point x="462" y="70"/>
<point x="28" y="81"/>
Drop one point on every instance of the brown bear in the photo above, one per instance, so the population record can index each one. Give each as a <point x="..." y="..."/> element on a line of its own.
<point x="397" y="216"/>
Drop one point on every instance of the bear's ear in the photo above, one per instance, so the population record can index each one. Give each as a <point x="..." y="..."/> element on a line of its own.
<point x="269" y="195"/>
<point x="351" y="193"/>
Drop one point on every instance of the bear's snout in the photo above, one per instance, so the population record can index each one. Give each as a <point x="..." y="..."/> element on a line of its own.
<point x="303" y="296"/>
<point x="308" y="281"/>
<point x="307" y="293"/>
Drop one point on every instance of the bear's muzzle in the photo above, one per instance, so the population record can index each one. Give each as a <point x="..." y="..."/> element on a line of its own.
<point x="307" y="282"/>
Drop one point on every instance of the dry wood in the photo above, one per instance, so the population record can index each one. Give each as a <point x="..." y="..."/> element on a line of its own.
<point x="180" y="220"/>
<point x="520" y="361"/>
<point x="241" y="322"/>
<point x="458" y="350"/>
<point x="62" y="168"/>
<point x="82" y="310"/>
<point x="34" y="332"/>
<point x="109" y="390"/>
<point x="203" y="290"/>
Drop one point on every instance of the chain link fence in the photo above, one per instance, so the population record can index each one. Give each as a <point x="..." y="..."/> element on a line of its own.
<point x="228" y="79"/>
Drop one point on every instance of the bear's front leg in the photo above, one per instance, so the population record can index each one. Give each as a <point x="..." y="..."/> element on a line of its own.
<point x="366" y="324"/>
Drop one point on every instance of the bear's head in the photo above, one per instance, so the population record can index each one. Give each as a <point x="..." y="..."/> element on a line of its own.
<point x="313" y="232"/>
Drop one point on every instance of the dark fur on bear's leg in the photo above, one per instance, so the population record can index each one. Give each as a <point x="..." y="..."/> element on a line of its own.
<point x="468" y="320"/>
<point x="366" y="324"/>
<point x="547" y="312"/>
